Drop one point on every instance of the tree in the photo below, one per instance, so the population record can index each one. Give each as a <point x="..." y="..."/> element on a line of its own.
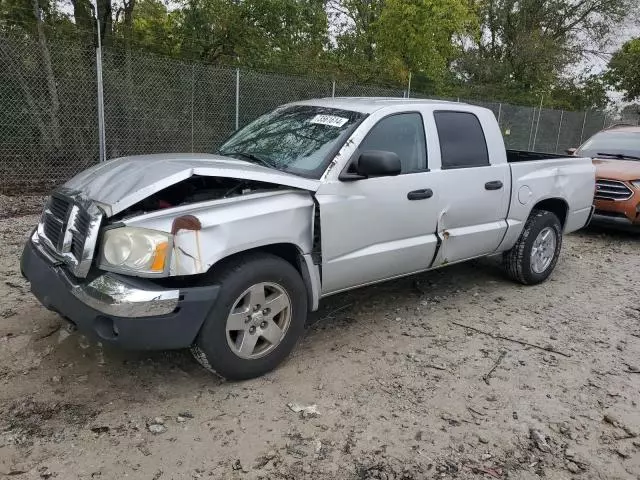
<point x="527" y="45"/>
<point x="423" y="36"/>
<point x="147" y="25"/>
<point x="624" y="70"/>
<point x="585" y="92"/>
<point x="29" y="17"/>
<point x="385" y="39"/>
<point x="253" y="33"/>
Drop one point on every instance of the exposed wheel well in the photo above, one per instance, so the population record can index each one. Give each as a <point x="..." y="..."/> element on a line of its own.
<point x="556" y="206"/>
<point x="287" y="251"/>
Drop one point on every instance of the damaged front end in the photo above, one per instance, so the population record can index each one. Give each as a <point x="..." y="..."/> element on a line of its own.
<point x="101" y="259"/>
<point x="159" y="216"/>
<point x="221" y="218"/>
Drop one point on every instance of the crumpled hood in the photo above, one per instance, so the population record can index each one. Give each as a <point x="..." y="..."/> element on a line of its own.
<point x="122" y="182"/>
<point x="617" y="169"/>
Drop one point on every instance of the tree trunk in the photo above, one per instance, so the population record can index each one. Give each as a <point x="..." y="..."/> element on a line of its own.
<point x="83" y="17"/>
<point x="128" y="33"/>
<point x="106" y="21"/>
<point x="54" y="109"/>
<point x="16" y="68"/>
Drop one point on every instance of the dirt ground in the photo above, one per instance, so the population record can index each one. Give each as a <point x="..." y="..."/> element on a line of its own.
<point x="402" y="392"/>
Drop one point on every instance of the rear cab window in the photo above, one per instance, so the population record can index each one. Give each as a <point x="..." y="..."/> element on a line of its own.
<point x="462" y="140"/>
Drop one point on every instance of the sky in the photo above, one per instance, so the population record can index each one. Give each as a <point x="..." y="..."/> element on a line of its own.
<point x="598" y="63"/>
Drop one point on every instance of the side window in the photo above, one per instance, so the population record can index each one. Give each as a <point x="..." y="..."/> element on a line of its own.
<point x="402" y="134"/>
<point x="462" y="142"/>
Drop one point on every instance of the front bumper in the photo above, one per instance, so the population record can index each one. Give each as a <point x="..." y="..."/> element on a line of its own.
<point x="608" y="219"/>
<point x="618" y="212"/>
<point x="128" y="312"/>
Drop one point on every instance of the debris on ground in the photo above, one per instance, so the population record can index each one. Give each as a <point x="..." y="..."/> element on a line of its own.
<point x="381" y="398"/>
<point x="613" y="420"/>
<point x="304" y="411"/>
<point x="157" y="426"/>
<point x="539" y="439"/>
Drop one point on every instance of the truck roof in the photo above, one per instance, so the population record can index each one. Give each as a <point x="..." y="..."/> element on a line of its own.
<point x="369" y="104"/>
<point x="624" y="128"/>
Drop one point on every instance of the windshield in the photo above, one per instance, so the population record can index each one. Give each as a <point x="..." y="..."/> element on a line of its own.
<point x="623" y="143"/>
<point x="300" y="139"/>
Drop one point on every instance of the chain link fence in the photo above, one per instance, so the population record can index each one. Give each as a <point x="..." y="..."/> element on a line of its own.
<point x="153" y="104"/>
<point x="48" y="113"/>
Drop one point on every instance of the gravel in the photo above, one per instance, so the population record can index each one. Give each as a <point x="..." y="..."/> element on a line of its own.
<point x="399" y="386"/>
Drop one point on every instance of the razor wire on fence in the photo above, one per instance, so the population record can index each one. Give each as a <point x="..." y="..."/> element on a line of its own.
<point x="49" y="128"/>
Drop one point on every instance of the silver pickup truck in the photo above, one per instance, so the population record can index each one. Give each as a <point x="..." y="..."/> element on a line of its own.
<point x="227" y="253"/>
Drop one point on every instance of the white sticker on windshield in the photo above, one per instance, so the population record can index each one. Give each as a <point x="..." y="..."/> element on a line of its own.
<point x="330" y="120"/>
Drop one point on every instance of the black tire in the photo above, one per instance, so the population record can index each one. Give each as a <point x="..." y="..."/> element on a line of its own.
<point x="211" y="348"/>
<point x="518" y="262"/>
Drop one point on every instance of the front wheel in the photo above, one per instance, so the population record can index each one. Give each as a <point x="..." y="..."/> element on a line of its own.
<point x="257" y="320"/>
<point x="535" y="254"/>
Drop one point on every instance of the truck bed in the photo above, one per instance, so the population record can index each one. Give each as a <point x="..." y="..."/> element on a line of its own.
<point x="549" y="176"/>
<point x="514" y="156"/>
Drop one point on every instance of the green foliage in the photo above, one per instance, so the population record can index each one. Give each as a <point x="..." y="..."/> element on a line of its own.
<point x="154" y="28"/>
<point x="624" y="70"/>
<point x="528" y="45"/>
<point x="253" y="33"/>
<point x="422" y="36"/>
<point x="507" y="50"/>
<point x="385" y="40"/>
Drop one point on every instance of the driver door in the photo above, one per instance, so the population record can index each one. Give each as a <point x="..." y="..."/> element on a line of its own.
<point x="374" y="229"/>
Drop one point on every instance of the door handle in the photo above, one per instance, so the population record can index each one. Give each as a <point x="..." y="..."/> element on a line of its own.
<point x="494" y="185"/>
<point x="420" y="194"/>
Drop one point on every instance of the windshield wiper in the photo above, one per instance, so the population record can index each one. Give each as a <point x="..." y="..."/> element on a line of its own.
<point x="620" y="156"/>
<point x="254" y="158"/>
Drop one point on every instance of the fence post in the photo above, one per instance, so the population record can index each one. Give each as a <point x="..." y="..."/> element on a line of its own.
<point x="533" y="121"/>
<point x="499" y="113"/>
<point x="237" y="98"/>
<point x="535" y="137"/>
<point x="193" y="79"/>
<point x="333" y="89"/>
<point x="584" y="122"/>
<point x="559" y="130"/>
<point x="409" y="86"/>
<point x="102" y="147"/>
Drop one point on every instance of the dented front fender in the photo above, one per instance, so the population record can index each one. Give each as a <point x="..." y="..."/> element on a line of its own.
<point x="232" y="225"/>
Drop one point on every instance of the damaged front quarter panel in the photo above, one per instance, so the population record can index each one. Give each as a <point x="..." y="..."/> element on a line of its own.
<point x="212" y="230"/>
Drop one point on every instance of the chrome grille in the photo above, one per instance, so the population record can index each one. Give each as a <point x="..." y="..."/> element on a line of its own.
<point x="612" y="190"/>
<point x="79" y="233"/>
<point x="59" y="207"/>
<point x="54" y="220"/>
<point x="68" y="230"/>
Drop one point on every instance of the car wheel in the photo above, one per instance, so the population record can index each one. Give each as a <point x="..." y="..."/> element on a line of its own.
<point x="257" y="319"/>
<point x="535" y="254"/>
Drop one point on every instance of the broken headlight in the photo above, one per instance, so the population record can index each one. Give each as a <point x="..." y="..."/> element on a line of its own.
<point x="137" y="251"/>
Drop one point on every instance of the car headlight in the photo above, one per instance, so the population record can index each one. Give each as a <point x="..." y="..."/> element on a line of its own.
<point x="636" y="183"/>
<point x="136" y="251"/>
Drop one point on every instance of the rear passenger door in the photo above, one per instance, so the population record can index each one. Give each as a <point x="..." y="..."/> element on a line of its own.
<point x="473" y="195"/>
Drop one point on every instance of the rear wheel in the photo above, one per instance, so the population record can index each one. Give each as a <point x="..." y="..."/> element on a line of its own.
<point x="535" y="254"/>
<point x="256" y="321"/>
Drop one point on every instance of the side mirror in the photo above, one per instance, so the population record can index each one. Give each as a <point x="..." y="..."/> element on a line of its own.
<point x="378" y="163"/>
<point x="571" y="151"/>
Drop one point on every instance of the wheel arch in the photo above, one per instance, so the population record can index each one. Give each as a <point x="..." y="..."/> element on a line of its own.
<point x="293" y="255"/>
<point x="558" y="206"/>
